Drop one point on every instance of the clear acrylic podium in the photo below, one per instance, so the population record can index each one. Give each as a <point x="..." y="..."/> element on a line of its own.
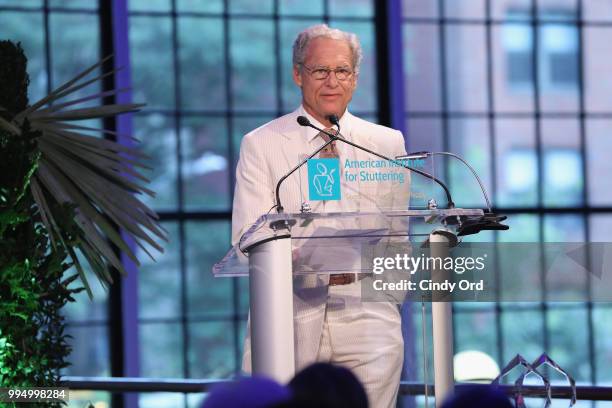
<point x="280" y="246"/>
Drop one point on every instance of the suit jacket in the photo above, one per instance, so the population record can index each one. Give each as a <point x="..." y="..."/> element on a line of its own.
<point x="269" y="152"/>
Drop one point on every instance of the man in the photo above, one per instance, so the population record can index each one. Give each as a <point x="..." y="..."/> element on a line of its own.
<point x="331" y="322"/>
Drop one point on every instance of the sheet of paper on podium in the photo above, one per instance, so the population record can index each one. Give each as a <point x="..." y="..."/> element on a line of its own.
<point x="331" y="250"/>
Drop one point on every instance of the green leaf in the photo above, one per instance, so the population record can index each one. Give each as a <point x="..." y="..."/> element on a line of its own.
<point x="45" y="212"/>
<point x="79" y="268"/>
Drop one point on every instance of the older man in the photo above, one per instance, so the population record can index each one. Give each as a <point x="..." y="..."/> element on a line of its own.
<point x="332" y="324"/>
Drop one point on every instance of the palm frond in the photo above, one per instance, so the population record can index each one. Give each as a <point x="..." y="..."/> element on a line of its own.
<point x="8" y="126"/>
<point x="98" y="95"/>
<point x="102" y="131"/>
<point x="57" y="93"/>
<point x="96" y="112"/>
<point x="97" y="176"/>
<point x="97" y="143"/>
<point x="45" y="212"/>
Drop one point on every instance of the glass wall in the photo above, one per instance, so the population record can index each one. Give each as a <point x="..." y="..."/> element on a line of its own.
<point x="520" y="89"/>
<point x="210" y="72"/>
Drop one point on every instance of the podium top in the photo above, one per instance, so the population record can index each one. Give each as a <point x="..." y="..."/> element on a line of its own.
<point x="440" y="213"/>
<point x="341" y="230"/>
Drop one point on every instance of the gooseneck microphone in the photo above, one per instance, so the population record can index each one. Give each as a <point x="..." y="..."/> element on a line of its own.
<point x="425" y="154"/>
<point x="490" y="220"/>
<point x="303" y="121"/>
<point x="334" y="121"/>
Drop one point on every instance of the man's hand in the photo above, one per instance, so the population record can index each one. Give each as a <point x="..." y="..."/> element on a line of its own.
<point x="295" y="254"/>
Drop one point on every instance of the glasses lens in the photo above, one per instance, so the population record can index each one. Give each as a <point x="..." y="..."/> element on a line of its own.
<point x="320" y="73"/>
<point x="342" y="74"/>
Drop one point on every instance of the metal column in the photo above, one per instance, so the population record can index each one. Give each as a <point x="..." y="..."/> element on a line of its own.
<point x="442" y="320"/>
<point x="271" y="301"/>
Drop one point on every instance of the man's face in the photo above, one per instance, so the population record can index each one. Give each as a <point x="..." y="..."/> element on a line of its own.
<point x="324" y="97"/>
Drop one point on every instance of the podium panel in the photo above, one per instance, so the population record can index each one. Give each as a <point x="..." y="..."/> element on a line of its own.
<point x="293" y="261"/>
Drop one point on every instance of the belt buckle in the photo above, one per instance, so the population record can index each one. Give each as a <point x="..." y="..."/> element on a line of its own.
<point x="341" y="279"/>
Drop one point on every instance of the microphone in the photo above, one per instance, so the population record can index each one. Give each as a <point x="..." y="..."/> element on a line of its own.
<point x="334" y="120"/>
<point x="303" y="121"/>
<point x="490" y="220"/>
<point x="425" y="154"/>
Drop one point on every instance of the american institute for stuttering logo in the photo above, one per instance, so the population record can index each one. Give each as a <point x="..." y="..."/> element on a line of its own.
<point x="324" y="179"/>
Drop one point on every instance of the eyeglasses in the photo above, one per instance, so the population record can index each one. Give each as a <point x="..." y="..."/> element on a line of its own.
<point x="321" y="73"/>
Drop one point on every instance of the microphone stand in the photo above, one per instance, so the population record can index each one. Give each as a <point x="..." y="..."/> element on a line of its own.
<point x="489" y="221"/>
<point x="303" y="121"/>
<point x="279" y="207"/>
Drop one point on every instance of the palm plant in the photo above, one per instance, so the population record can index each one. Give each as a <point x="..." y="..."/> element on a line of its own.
<point x="95" y="176"/>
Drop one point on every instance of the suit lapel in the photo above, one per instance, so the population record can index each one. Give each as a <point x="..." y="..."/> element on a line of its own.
<point x="294" y="146"/>
<point x="368" y="190"/>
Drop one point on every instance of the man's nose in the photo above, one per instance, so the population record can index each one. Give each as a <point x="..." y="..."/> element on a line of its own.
<point x="331" y="80"/>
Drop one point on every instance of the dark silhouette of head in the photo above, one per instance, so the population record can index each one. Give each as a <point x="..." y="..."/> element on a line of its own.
<point x="249" y="392"/>
<point x="324" y="385"/>
<point x="478" y="396"/>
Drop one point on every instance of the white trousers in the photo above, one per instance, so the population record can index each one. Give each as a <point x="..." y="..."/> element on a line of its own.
<point x="366" y="338"/>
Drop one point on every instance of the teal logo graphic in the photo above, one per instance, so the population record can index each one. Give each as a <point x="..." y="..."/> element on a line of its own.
<point x="324" y="179"/>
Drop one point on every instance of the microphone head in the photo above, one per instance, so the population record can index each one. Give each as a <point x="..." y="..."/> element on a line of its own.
<point x="303" y="121"/>
<point x="333" y="119"/>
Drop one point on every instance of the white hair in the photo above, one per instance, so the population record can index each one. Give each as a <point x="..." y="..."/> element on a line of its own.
<point x="322" y="30"/>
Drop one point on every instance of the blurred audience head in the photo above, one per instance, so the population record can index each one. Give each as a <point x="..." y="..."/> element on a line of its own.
<point x="248" y="392"/>
<point x="324" y="385"/>
<point x="478" y="396"/>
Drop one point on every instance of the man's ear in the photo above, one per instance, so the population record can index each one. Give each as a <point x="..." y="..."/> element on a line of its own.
<point x="297" y="75"/>
<point x="355" y="78"/>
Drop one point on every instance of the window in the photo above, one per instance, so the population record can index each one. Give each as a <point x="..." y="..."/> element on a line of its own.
<point x="562" y="170"/>
<point x="521" y="170"/>
<point x="540" y="143"/>
<point x="518" y="43"/>
<point x="221" y="70"/>
<point x="539" y="138"/>
<point x="557" y="55"/>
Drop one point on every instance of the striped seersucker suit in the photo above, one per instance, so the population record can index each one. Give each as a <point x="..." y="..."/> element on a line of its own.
<point x="331" y="323"/>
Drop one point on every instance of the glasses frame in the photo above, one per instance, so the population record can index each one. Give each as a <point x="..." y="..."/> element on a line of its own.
<point x="328" y="72"/>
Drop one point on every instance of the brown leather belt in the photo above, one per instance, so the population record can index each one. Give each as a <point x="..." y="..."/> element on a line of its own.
<point x="345" y="278"/>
